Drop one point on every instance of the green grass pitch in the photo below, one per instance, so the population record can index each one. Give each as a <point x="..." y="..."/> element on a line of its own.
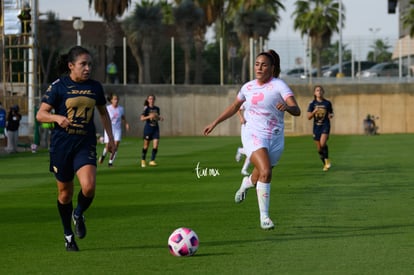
<point x="355" y="219"/>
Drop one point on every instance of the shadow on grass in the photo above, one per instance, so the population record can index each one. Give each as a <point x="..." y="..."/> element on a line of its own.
<point x="325" y="233"/>
<point x="312" y="233"/>
<point x="146" y="247"/>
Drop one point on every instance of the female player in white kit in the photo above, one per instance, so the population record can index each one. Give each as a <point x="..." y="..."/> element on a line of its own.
<point x="117" y="115"/>
<point x="240" y="150"/>
<point x="266" y="99"/>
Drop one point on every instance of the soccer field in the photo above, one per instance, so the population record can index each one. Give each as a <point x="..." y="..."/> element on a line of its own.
<point x="355" y="219"/>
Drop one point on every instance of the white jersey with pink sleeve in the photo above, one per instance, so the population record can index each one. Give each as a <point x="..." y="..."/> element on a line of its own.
<point x="115" y="114"/>
<point x="260" y="112"/>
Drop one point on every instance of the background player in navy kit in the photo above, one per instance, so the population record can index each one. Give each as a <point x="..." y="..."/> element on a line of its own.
<point x="151" y="116"/>
<point x="73" y="98"/>
<point x="320" y="110"/>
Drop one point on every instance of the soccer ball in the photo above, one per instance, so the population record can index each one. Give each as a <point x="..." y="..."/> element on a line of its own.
<point x="183" y="242"/>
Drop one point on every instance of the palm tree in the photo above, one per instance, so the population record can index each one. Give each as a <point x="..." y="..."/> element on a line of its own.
<point x="330" y="53"/>
<point x="254" y="19"/>
<point x="53" y="33"/>
<point x="109" y="10"/>
<point x="408" y="18"/>
<point x="317" y="19"/>
<point x="167" y="13"/>
<point x="134" y="40"/>
<point x="212" y="10"/>
<point x="142" y="28"/>
<point x="380" y="52"/>
<point x="188" y="18"/>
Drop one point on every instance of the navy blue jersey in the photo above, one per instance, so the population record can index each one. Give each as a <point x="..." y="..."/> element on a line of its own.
<point x="2" y="118"/>
<point x="75" y="146"/>
<point x="147" y="110"/>
<point x="77" y="102"/>
<point x="324" y="109"/>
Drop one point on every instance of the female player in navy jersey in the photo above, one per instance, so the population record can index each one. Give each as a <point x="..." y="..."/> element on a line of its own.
<point x="320" y="110"/>
<point x="151" y="116"/>
<point x="73" y="98"/>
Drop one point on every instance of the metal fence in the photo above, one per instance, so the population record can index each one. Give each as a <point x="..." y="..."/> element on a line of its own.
<point x="293" y="51"/>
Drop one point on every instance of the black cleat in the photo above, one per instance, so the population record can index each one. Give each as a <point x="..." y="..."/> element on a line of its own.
<point x="70" y="243"/>
<point x="110" y="165"/>
<point x="80" y="228"/>
<point x="101" y="159"/>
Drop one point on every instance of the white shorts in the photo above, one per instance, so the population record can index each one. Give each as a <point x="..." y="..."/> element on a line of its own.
<point x="117" y="135"/>
<point x="252" y="142"/>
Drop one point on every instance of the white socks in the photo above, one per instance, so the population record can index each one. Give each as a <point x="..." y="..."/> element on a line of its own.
<point x="246" y="184"/>
<point x="246" y="164"/>
<point x="263" y="198"/>
<point x="113" y="156"/>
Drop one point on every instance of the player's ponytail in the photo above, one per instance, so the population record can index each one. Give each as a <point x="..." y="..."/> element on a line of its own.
<point x="276" y="59"/>
<point x="62" y="65"/>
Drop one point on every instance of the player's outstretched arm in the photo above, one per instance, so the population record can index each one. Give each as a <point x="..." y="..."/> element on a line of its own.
<point x="227" y="113"/>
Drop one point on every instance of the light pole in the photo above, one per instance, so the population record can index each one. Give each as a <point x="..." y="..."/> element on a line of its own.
<point x="78" y="26"/>
<point x="374" y="32"/>
<point x="340" y="73"/>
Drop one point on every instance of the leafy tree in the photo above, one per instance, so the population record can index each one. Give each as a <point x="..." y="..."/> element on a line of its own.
<point x="212" y="56"/>
<point x="317" y="19"/>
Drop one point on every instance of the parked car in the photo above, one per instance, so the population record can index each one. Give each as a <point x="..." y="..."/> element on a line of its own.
<point x="315" y="72"/>
<point x="347" y="68"/>
<point x="386" y="69"/>
<point x="296" y="72"/>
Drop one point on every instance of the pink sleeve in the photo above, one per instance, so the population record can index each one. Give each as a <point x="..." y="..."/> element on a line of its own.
<point x="285" y="91"/>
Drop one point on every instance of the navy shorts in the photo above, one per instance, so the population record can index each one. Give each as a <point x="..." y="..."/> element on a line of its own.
<point x="151" y="133"/>
<point x="319" y="130"/>
<point x="66" y="159"/>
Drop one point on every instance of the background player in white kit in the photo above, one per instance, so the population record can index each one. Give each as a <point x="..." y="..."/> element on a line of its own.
<point x="117" y="115"/>
<point x="240" y="150"/>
